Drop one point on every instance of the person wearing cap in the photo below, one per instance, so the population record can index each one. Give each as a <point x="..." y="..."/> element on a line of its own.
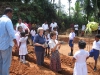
<point x="39" y="43"/>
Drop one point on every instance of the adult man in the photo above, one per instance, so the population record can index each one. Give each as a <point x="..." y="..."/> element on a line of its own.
<point x="7" y="38"/>
<point x="76" y="29"/>
<point x="45" y="26"/>
<point x="53" y="24"/>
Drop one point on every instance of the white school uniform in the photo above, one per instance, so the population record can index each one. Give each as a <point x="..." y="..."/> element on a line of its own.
<point x="45" y="26"/>
<point x="83" y="27"/>
<point x="71" y="36"/>
<point x="96" y="45"/>
<point x="76" y="27"/>
<point x="80" y="67"/>
<point x="48" y="36"/>
<point x="52" y="25"/>
<point x="33" y="32"/>
<point x="23" y="46"/>
<point x="17" y="35"/>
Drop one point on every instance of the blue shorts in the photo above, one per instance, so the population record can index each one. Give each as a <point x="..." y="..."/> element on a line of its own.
<point x="94" y="53"/>
<point x="71" y="43"/>
<point x="32" y="37"/>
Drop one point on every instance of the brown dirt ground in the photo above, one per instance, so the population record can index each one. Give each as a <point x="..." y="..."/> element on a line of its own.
<point x="67" y="64"/>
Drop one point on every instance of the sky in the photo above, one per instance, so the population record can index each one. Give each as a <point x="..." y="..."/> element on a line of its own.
<point x="66" y="4"/>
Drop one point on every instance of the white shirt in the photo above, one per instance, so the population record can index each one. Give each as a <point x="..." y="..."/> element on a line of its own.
<point x="17" y="35"/>
<point x="83" y="27"/>
<point x="45" y="26"/>
<point x="33" y="32"/>
<point x="98" y="27"/>
<point x="52" y="44"/>
<point x="76" y="27"/>
<point x="23" y="26"/>
<point x="52" y="25"/>
<point x="71" y="35"/>
<point x="96" y="45"/>
<point x="47" y="37"/>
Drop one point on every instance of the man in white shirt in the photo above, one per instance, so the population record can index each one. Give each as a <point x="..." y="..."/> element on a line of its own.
<point x="45" y="26"/>
<point x="53" y="24"/>
<point x="76" y="29"/>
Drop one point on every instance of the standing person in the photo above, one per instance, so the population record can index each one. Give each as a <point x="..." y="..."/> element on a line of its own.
<point x="39" y="41"/>
<point x="53" y="24"/>
<point x="55" y="30"/>
<point x="99" y="29"/>
<point x="45" y="26"/>
<point x="76" y="29"/>
<point x="80" y="58"/>
<point x="47" y="37"/>
<point x="55" y="63"/>
<point x="17" y="35"/>
<point x="83" y="30"/>
<point x="23" y="47"/>
<point x="33" y="33"/>
<point x="7" y="37"/>
<point x="95" y="50"/>
<point x="71" y="41"/>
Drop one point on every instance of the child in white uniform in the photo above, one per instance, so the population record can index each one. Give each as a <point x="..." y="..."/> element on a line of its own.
<point x="71" y="40"/>
<point x="55" y="29"/>
<point x="23" y="47"/>
<point x="80" y="58"/>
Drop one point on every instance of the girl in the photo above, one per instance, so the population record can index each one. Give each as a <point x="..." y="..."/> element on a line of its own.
<point x="80" y="57"/>
<point x="23" y="47"/>
<point x="55" y="57"/>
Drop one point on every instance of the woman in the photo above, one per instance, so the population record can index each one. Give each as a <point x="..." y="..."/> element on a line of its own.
<point x="55" y="57"/>
<point x="39" y="42"/>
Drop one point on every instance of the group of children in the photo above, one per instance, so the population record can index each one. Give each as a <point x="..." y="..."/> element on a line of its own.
<point x="82" y="55"/>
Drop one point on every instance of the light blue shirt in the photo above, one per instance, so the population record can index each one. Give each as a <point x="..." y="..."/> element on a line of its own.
<point x="6" y="32"/>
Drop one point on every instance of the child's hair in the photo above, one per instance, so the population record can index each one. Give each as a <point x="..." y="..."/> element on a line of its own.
<point x="22" y="34"/>
<point x="54" y="28"/>
<point x="97" y="36"/>
<point x="19" y="27"/>
<point x="52" y="34"/>
<point x="82" y="44"/>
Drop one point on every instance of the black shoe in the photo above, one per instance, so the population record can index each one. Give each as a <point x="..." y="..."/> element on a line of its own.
<point x="70" y="54"/>
<point x="95" y="69"/>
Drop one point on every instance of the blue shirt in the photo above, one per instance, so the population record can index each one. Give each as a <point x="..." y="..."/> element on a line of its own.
<point x="41" y="40"/>
<point x="6" y="32"/>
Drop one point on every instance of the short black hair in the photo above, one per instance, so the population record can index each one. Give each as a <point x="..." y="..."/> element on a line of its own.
<point x="22" y="34"/>
<point x="82" y="44"/>
<point x="7" y="10"/>
<point x="97" y="36"/>
<point x="19" y="27"/>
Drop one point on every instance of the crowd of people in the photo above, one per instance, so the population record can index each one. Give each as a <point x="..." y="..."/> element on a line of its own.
<point x="45" y="42"/>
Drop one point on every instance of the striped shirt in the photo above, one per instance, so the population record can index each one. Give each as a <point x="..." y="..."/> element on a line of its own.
<point x="6" y="32"/>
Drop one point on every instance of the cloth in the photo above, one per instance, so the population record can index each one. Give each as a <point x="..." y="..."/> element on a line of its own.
<point x="45" y="26"/>
<point x="71" y="43"/>
<point x="83" y="27"/>
<point x="71" y="36"/>
<point x="96" y="45"/>
<point x="23" y="26"/>
<point x="40" y="40"/>
<point x="23" y="46"/>
<point x="33" y="32"/>
<point x="80" y="67"/>
<point x="55" y="63"/>
<point x="76" y="27"/>
<point x="5" y="60"/>
<point x="17" y="35"/>
<point x="6" y="32"/>
<point x="94" y="53"/>
<point x="52" y="44"/>
<point x="40" y="57"/>
<point x="52" y="25"/>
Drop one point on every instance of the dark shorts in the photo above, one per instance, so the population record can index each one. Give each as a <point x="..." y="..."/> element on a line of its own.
<point x="71" y="43"/>
<point x="94" y="53"/>
<point x="32" y="37"/>
<point x="48" y="45"/>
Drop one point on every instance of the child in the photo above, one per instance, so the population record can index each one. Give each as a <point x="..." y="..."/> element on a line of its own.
<point x="33" y="33"/>
<point x="95" y="50"/>
<point x="23" y="47"/>
<point x="55" y="29"/>
<point x="71" y="40"/>
<point x="80" y="58"/>
<point x="55" y="63"/>
<point x="47" y="36"/>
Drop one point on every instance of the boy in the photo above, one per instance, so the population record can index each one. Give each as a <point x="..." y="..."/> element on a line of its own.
<point x="80" y="56"/>
<point x="95" y="50"/>
<point x="71" y="39"/>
